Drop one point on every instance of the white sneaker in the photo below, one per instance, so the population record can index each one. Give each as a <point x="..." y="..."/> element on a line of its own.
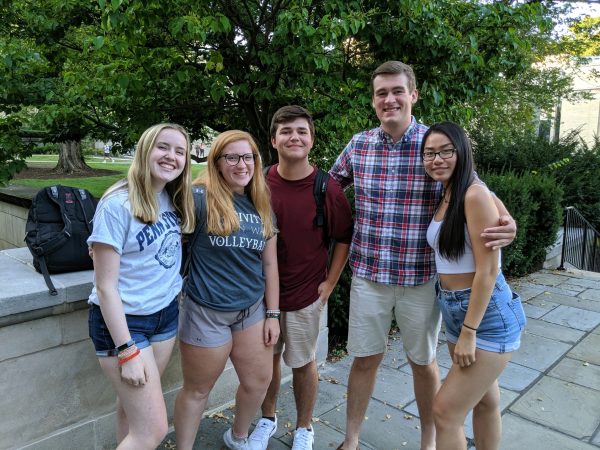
<point x="259" y="438"/>
<point x="303" y="439"/>
<point x="233" y="443"/>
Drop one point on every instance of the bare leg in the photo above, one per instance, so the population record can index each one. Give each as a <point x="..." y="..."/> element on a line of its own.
<point x="269" y="406"/>
<point x="462" y="390"/>
<point x="143" y="406"/>
<point x="487" y="421"/>
<point x="201" y="368"/>
<point x="361" y="383"/>
<point x="426" y="382"/>
<point x="253" y="362"/>
<point x="162" y="354"/>
<point x="306" y="384"/>
<point x="122" y="425"/>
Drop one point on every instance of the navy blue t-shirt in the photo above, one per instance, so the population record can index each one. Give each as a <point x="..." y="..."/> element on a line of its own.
<point x="226" y="272"/>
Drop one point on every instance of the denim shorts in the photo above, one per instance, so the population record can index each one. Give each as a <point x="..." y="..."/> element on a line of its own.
<point x="503" y="321"/>
<point x="155" y="327"/>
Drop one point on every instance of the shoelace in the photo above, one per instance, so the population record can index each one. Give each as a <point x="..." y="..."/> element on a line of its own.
<point x="303" y="437"/>
<point x="262" y="433"/>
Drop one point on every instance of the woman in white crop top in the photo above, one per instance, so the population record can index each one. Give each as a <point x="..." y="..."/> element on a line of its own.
<point x="483" y="317"/>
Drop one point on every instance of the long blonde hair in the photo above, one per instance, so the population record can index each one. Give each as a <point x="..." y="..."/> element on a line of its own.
<point x="222" y="219"/>
<point x="142" y="198"/>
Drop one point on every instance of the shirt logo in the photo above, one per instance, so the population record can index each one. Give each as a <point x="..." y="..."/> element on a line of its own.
<point x="169" y="249"/>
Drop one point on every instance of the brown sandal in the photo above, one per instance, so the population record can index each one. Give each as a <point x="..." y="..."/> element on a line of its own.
<point x="341" y="447"/>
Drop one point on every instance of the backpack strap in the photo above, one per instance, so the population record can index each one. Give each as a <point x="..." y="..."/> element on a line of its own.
<point x="46" y="275"/>
<point x="199" y="195"/>
<point x="266" y="170"/>
<point x="319" y="192"/>
<point x="86" y="202"/>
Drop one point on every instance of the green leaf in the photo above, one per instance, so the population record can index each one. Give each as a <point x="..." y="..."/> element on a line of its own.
<point x="123" y="81"/>
<point x="98" y="42"/>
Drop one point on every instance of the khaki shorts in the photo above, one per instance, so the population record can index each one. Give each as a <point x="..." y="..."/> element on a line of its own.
<point x="299" y="335"/>
<point x="372" y="306"/>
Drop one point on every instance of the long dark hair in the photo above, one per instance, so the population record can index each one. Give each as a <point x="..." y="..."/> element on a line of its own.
<point x="452" y="232"/>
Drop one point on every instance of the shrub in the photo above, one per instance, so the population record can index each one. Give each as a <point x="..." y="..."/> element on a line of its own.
<point x="339" y="300"/>
<point x="580" y="180"/>
<point x="574" y="165"/>
<point x="46" y="149"/>
<point x="534" y="200"/>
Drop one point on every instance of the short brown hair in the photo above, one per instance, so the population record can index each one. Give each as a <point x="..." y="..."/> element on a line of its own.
<point x="395" y="67"/>
<point x="289" y="113"/>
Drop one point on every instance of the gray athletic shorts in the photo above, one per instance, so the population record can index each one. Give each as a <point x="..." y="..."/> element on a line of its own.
<point x="206" y="327"/>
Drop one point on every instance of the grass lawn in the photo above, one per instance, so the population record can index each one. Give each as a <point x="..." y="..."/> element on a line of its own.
<point x="96" y="185"/>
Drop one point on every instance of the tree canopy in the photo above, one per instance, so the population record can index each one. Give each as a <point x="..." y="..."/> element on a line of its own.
<point x="108" y="69"/>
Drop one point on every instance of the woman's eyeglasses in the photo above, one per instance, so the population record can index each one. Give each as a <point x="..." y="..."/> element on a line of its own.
<point x="444" y="154"/>
<point x="233" y="159"/>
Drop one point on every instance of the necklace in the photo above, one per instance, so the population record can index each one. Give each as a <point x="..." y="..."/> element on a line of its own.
<point x="444" y="196"/>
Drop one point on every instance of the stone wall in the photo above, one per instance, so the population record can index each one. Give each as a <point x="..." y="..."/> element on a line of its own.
<point x="14" y="205"/>
<point x="53" y="394"/>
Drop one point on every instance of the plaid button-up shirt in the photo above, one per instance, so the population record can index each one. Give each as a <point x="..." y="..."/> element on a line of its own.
<point x="395" y="201"/>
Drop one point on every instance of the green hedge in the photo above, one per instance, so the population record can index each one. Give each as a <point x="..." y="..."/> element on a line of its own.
<point x="339" y="300"/>
<point x="534" y="200"/>
<point x="574" y="165"/>
<point x="46" y="149"/>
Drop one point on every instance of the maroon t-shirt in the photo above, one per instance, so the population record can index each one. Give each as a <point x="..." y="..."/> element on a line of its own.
<point x="302" y="253"/>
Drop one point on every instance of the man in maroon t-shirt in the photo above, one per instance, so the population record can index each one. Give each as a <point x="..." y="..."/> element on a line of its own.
<point x="305" y="279"/>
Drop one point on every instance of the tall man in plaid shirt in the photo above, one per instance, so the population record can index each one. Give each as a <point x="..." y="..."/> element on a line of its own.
<point x="391" y="262"/>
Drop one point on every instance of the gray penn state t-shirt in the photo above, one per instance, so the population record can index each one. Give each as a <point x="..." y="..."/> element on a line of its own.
<point x="226" y="272"/>
<point x="149" y="276"/>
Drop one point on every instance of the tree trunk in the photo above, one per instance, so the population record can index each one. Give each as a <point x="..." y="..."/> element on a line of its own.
<point x="70" y="159"/>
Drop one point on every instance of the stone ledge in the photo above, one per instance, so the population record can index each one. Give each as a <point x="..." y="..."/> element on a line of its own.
<point x="25" y="296"/>
<point x="18" y="194"/>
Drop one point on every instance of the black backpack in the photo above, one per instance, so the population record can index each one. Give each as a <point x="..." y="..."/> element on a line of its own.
<point x="319" y="193"/>
<point x="58" y="226"/>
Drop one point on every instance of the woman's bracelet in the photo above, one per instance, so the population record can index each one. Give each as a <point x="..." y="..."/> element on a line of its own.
<point x="273" y="313"/>
<point x="470" y="328"/>
<point x="126" y="345"/>
<point x="128" y="358"/>
<point x="127" y="352"/>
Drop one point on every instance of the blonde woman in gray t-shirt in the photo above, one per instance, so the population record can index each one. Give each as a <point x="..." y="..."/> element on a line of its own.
<point x="137" y="257"/>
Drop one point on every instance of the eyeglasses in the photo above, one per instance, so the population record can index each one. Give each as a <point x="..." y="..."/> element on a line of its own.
<point x="233" y="159"/>
<point x="444" y="154"/>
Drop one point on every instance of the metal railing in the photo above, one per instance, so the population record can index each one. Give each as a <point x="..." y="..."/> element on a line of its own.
<point x="581" y="242"/>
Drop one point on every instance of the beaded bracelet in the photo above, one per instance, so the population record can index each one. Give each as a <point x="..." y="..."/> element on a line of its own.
<point x="128" y="358"/>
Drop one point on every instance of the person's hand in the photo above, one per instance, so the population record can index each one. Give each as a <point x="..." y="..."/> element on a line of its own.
<point x="464" y="351"/>
<point x="133" y="372"/>
<point x="502" y="235"/>
<point x="324" y="290"/>
<point x="271" y="331"/>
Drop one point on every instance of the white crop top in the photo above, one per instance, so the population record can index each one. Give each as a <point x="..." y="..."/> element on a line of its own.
<point x="465" y="264"/>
